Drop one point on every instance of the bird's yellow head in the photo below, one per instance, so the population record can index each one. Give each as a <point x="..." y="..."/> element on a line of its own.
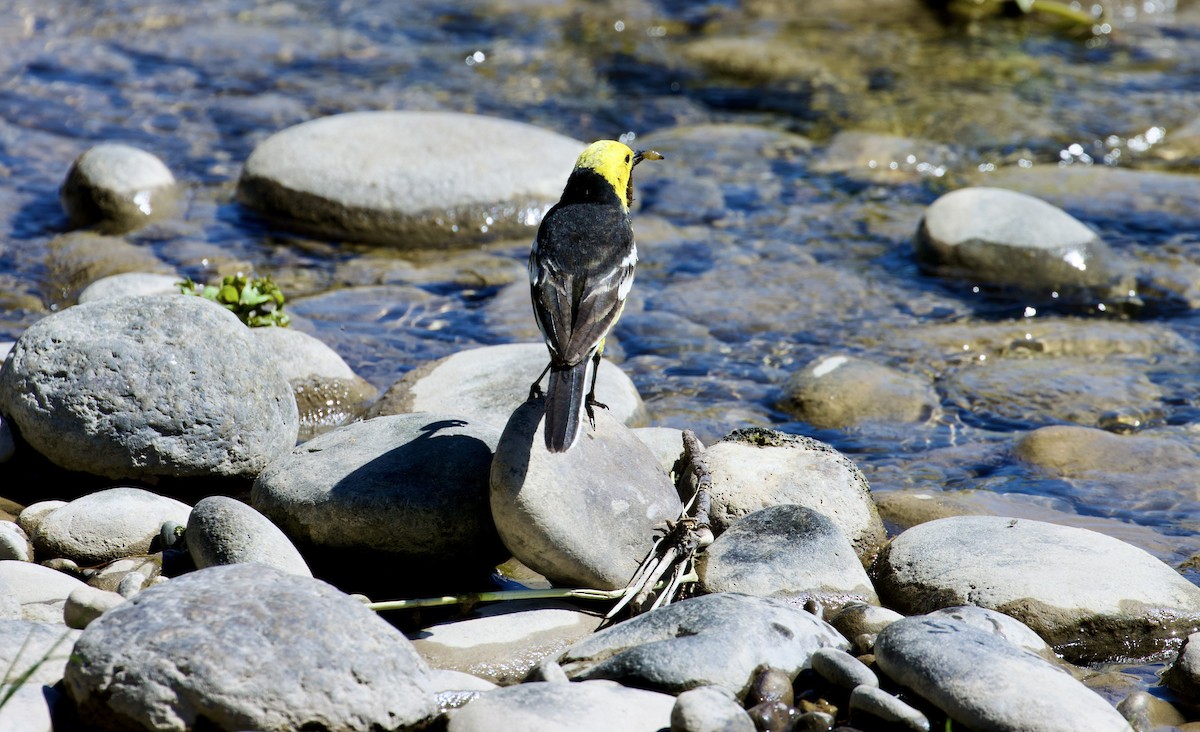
<point x="614" y="162"/>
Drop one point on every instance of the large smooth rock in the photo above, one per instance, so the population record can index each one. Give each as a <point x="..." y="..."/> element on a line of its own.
<point x="487" y="384"/>
<point x="502" y="642"/>
<point x="409" y="179"/>
<point x="223" y="530"/>
<point x="148" y="387"/>
<point x="710" y="640"/>
<point x="40" y="591"/>
<point x="412" y="488"/>
<point x="130" y="284"/>
<point x="592" y="706"/>
<point x="789" y="552"/>
<point x="106" y="525"/>
<point x="246" y="647"/>
<point x="756" y="468"/>
<point x="40" y="649"/>
<point x="840" y="391"/>
<point x="585" y="517"/>
<point x="1007" y="239"/>
<point x="984" y="682"/>
<point x="1089" y="596"/>
<point x="118" y="188"/>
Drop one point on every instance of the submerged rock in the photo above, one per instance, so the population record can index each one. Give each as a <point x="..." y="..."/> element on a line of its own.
<point x="841" y="391"/>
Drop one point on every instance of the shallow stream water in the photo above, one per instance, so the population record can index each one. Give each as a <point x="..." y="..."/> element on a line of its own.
<point x="757" y="255"/>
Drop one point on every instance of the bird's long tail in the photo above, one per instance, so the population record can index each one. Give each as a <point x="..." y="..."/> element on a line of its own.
<point x="564" y="403"/>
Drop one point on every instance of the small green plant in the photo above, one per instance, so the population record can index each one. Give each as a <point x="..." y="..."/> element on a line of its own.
<point x="256" y="301"/>
<point x="11" y="681"/>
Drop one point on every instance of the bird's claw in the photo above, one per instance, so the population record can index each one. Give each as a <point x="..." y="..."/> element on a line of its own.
<point x="588" y="404"/>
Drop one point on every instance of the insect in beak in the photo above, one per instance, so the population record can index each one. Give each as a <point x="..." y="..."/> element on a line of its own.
<point x="641" y="155"/>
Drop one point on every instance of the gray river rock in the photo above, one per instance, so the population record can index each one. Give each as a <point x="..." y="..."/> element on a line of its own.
<point x="790" y="552"/>
<point x="222" y="647"/>
<point x="841" y="391"/>
<point x="710" y="640"/>
<point x="118" y="188"/>
<point x="409" y="179"/>
<point x="984" y="682"/>
<point x="585" y="517"/>
<point x="223" y="530"/>
<point x="136" y="388"/>
<point x="106" y="525"/>
<point x="412" y="488"/>
<point x="1089" y="596"/>
<point x="591" y="706"/>
<point x="756" y="468"/>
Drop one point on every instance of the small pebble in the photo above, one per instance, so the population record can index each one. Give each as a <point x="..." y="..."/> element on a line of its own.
<point x="877" y="704"/>
<point x="841" y="669"/>
<point x="773" y="716"/>
<point x="85" y="604"/>
<point x="770" y="684"/>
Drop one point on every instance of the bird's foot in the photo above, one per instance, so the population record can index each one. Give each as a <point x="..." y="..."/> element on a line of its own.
<point x="587" y="406"/>
<point x="535" y="392"/>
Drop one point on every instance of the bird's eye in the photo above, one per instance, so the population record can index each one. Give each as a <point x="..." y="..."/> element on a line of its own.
<point x="627" y="158"/>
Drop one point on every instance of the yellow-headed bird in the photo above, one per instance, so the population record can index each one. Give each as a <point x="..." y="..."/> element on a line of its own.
<point x="580" y="271"/>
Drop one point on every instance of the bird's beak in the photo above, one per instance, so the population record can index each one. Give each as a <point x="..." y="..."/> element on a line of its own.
<point x="641" y="155"/>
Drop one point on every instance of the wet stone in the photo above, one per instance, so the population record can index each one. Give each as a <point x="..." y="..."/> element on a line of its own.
<point x="1001" y="238"/>
<point x="117" y="188"/>
<point x="841" y="391"/>
<point x="1068" y="450"/>
<point x="692" y="643"/>
<point x="771" y="684"/>
<point x="790" y="552"/>
<point x="487" y="384"/>
<point x="135" y="388"/>
<point x="882" y="158"/>
<point x="585" y="517"/>
<point x="1088" y="595"/>
<point x="1145" y="711"/>
<point x="981" y="680"/>
<point x="773" y="716"/>
<point x="409" y="179"/>
<point x="79" y="259"/>
<point x="756" y="468"/>
<point x="1183" y="675"/>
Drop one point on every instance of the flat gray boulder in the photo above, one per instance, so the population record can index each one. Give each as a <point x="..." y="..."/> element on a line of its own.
<point x="148" y="387"/>
<point x="982" y="681"/>
<point x="409" y="179"/>
<point x="117" y="188"/>
<point x="223" y="530"/>
<point x="1088" y="595"/>
<point x="591" y="706"/>
<point x="756" y="468"/>
<point x="246" y="647"/>
<point x="710" y="640"/>
<point x="487" y="384"/>
<point x="1007" y="239"/>
<point x="106" y="525"/>
<point x="410" y="488"/>
<point x="585" y="517"/>
<point x="789" y="552"/>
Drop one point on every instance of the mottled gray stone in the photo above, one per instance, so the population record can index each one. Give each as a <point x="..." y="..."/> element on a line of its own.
<point x="585" y="517"/>
<point x="756" y="468"/>
<point x="106" y="525"/>
<point x="31" y="516"/>
<point x="841" y="669"/>
<point x="877" y="704"/>
<point x="840" y="391"/>
<point x="131" y="284"/>
<point x="1008" y="628"/>
<point x="502" y="642"/>
<point x="985" y="682"/>
<point x="118" y="188"/>
<point x="858" y="618"/>
<point x="1146" y="712"/>
<point x="412" y="488"/>
<point x="409" y="179"/>
<point x="487" y="384"/>
<point x="591" y="706"/>
<point x="14" y="543"/>
<point x="709" y="709"/>
<point x="1183" y="675"/>
<point x="246" y="647"/>
<point x="223" y="530"/>
<point x="790" y="552"/>
<point x="1008" y="239"/>
<point x="719" y="640"/>
<point x="148" y="387"/>
<point x="1088" y="595"/>
<point x="86" y="603"/>
<point x="41" y="647"/>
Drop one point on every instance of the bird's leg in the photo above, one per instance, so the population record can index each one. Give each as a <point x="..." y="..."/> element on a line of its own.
<point x="535" y="391"/>
<point x="590" y="401"/>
